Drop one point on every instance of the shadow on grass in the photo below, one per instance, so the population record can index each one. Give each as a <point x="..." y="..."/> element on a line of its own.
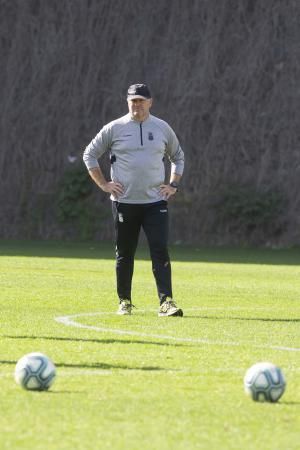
<point x="100" y="365"/>
<point x="96" y="341"/>
<point x="105" y="250"/>
<point x="288" y="403"/>
<point x="53" y="392"/>
<point x="256" y="319"/>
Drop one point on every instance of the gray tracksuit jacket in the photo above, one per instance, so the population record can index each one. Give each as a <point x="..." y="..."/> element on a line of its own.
<point x="137" y="151"/>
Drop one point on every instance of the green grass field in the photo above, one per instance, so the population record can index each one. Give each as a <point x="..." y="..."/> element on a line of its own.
<point x="145" y="382"/>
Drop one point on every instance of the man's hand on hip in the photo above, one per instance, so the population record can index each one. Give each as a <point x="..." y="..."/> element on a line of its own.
<point x="167" y="191"/>
<point x="114" y="188"/>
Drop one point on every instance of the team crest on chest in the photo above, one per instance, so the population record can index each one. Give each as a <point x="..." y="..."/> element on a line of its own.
<point x="150" y="136"/>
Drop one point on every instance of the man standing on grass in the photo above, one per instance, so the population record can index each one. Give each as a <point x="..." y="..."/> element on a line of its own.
<point x="138" y="143"/>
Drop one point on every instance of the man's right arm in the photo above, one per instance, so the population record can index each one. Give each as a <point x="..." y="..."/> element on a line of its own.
<point x="113" y="188"/>
<point x="99" y="145"/>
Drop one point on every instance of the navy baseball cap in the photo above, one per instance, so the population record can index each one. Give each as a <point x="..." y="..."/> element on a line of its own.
<point x="138" y="91"/>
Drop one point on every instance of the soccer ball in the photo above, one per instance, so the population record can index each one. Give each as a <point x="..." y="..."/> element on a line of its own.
<point x="264" y="382"/>
<point x="35" y="372"/>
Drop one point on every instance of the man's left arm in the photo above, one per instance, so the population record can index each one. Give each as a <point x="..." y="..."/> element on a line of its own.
<point x="176" y="156"/>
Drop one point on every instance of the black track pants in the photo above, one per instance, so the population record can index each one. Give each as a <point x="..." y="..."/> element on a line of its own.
<point x="153" y="218"/>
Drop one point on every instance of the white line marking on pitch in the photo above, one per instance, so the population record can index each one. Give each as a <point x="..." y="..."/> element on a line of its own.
<point x="69" y="321"/>
<point x="70" y="373"/>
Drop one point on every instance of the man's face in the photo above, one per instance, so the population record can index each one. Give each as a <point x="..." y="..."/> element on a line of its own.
<point x="139" y="108"/>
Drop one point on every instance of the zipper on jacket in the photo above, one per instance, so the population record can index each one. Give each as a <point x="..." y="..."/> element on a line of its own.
<point x="141" y="133"/>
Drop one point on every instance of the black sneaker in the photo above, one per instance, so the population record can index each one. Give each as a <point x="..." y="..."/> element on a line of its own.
<point x="169" y="308"/>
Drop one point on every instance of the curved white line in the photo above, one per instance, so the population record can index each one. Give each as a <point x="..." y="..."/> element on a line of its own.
<point x="67" y="320"/>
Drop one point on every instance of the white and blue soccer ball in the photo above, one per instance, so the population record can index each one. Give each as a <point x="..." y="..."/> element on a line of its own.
<point x="264" y="382"/>
<point x="35" y="371"/>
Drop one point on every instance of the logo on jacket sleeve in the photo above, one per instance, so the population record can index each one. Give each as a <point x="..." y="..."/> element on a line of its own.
<point x="150" y="136"/>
